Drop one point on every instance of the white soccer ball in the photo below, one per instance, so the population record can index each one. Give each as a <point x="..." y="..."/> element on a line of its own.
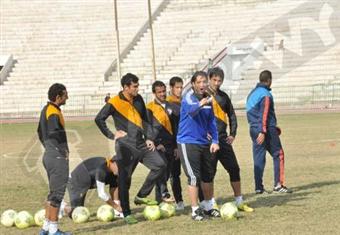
<point x="167" y="209"/>
<point x="8" y="217"/>
<point x="80" y="214"/>
<point x="152" y="213"/>
<point x="39" y="217"/>
<point x="229" y="211"/>
<point x="105" y="213"/>
<point x="23" y="220"/>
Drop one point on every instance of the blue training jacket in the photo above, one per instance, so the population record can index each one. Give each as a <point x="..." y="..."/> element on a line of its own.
<point x="260" y="108"/>
<point x="196" y="122"/>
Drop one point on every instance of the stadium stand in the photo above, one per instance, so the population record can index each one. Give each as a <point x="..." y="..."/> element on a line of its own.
<point x="74" y="44"/>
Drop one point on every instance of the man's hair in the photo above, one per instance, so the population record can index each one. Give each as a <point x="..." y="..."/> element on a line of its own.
<point x="55" y="90"/>
<point x="216" y="72"/>
<point x="265" y="76"/>
<point x="175" y="80"/>
<point x="197" y="74"/>
<point x="128" y="78"/>
<point x="157" y="84"/>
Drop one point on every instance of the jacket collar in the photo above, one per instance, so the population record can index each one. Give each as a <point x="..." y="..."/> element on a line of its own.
<point x="262" y="85"/>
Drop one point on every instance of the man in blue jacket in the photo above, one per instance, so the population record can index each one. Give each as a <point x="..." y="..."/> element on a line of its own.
<point x="196" y="149"/>
<point x="265" y="134"/>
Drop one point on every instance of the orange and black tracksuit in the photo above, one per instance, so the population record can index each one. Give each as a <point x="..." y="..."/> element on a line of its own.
<point x="161" y="117"/>
<point x="130" y="116"/>
<point x="225" y="116"/>
<point x="52" y="135"/>
<point x="176" y="165"/>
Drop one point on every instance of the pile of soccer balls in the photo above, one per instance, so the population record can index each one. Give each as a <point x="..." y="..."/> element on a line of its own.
<point x="164" y="210"/>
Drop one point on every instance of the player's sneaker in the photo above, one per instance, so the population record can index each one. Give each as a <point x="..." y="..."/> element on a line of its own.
<point x="60" y="233"/>
<point x="244" y="207"/>
<point x="282" y="189"/>
<point x="43" y="232"/>
<point x="145" y="201"/>
<point x="118" y="214"/>
<point x="213" y="213"/>
<point x="262" y="191"/>
<point x="180" y="206"/>
<point x="198" y="215"/>
<point x="130" y="219"/>
<point x="168" y="198"/>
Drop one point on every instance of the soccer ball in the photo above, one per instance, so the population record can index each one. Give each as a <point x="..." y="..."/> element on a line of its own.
<point x="105" y="213"/>
<point x="229" y="211"/>
<point x="167" y="210"/>
<point x="8" y="217"/>
<point x="39" y="217"/>
<point x="152" y="213"/>
<point x="23" y="220"/>
<point x="80" y="214"/>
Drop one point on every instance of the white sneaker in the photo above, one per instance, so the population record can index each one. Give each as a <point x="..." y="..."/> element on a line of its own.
<point x="118" y="214"/>
<point x="180" y="206"/>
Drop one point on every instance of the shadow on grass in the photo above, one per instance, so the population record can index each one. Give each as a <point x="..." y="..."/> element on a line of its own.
<point x="275" y="199"/>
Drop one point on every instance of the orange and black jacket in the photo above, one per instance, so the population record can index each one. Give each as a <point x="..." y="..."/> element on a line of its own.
<point x="51" y="129"/>
<point x="128" y="116"/>
<point x="176" y="105"/>
<point x="162" y="120"/>
<point x="224" y="113"/>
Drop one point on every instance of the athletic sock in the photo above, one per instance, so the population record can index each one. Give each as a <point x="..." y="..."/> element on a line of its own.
<point x="46" y="224"/>
<point x="208" y="204"/>
<point x="194" y="208"/>
<point x="53" y="228"/>
<point x="238" y="200"/>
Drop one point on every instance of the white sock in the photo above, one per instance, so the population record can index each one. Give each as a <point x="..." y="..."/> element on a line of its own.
<point x="53" y="228"/>
<point x="46" y="224"/>
<point x="194" y="208"/>
<point x="208" y="204"/>
<point x="213" y="201"/>
<point x="238" y="200"/>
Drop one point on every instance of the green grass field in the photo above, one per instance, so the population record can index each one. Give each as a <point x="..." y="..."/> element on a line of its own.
<point x="312" y="157"/>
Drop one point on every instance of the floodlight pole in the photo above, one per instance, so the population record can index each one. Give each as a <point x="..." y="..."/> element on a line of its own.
<point x="152" y="43"/>
<point x="117" y="39"/>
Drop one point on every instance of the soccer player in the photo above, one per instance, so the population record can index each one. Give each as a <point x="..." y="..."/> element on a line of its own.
<point x="95" y="172"/>
<point x="52" y="135"/>
<point x="197" y="121"/>
<point x="174" y="98"/>
<point x="133" y="143"/>
<point x="161" y="116"/>
<point x="265" y="134"/>
<point x="225" y="115"/>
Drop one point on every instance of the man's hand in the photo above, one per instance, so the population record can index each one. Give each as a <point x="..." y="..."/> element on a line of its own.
<point x="230" y="139"/>
<point x="150" y="145"/>
<point x="161" y="148"/>
<point x="214" y="148"/>
<point x="260" y="138"/>
<point x="278" y="129"/>
<point x="176" y="153"/>
<point x="205" y="101"/>
<point x="120" y="134"/>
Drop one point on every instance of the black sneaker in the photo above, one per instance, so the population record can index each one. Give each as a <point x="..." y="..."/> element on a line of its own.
<point x="213" y="213"/>
<point x="282" y="189"/>
<point x="199" y="215"/>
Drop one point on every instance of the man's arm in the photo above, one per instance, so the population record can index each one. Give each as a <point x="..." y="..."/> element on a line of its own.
<point x="101" y="117"/>
<point x="264" y="112"/>
<point x="212" y="127"/>
<point x="232" y="117"/>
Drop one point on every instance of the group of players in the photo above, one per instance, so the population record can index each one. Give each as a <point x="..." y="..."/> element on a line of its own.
<point x="188" y="130"/>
